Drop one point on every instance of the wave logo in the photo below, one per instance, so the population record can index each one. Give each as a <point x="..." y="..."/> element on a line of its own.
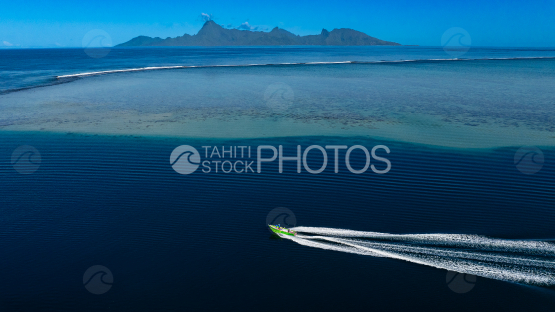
<point x="98" y="279"/>
<point x="279" y="96"/>
<point x="456" y="41"/>
<point x="529" y="159"/>
<point x="97" y="43"/>
<point x="459" y="282"/>
<point x="26" y="159"/>
<point x="283" y="216"/>
<point x="185" y="159"/>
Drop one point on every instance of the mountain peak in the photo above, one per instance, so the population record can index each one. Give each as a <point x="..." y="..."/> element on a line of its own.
<point x="212" y="34"/>
<point x="211" y="23"/>
<point x="210" y="28"/>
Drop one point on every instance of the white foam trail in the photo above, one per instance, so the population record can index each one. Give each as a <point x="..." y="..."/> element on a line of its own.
<point x="316" y="244"/>
<point x="476" y="255"/>
<point x="274" y="64"/>
<point x="525" y="262"/>
<point x="460" y="240"/>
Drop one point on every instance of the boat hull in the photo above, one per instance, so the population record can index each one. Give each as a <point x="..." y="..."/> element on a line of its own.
<point x="283" y="231"/>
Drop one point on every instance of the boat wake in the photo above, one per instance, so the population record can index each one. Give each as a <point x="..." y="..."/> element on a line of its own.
<point x="519" y="261"/>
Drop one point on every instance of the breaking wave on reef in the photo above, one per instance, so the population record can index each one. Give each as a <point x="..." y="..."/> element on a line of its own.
<point x="96" y="73"/>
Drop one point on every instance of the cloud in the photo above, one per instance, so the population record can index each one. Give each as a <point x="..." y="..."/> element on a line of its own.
<point x="7" y="44"/>
<point x="246" y="26"/>
<point x="206" y="17"/>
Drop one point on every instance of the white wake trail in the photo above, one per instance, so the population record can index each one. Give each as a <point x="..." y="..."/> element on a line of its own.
<point x="459" y="240"/>
<point x="526" y="262"/>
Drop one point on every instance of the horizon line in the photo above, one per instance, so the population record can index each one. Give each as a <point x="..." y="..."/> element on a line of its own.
<point x="266" y="46"/>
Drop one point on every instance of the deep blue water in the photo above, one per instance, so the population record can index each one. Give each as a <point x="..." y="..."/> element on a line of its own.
<point x="199" y="241"/>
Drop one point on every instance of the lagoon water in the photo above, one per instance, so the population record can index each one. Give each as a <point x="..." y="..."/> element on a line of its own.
<point x="106" y="194"/>
<point x="32" y="67"/>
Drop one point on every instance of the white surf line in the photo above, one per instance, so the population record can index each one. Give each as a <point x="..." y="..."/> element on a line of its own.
<point x="186" y="66"/>
<point x="118" y="71"/>
<point x="522" y="275"/>
<point x="278" y="64"/>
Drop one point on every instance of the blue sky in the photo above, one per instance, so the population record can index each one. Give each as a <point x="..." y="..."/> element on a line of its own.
<point x="34" y="23"/>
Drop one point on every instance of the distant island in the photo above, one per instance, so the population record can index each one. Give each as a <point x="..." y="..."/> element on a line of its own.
<point x="212" y="34"/>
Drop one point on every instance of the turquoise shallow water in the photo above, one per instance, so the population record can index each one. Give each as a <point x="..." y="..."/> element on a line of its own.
<point x="476" y="104"/>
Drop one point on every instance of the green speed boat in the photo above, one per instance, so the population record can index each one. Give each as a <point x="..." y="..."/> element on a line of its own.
<point x="281" y="230"/>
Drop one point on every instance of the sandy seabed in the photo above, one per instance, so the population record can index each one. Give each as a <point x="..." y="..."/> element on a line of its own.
<point x="470" y="105"/>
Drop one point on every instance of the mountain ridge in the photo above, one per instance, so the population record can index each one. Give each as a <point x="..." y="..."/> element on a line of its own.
<point x="212" y="34"/>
